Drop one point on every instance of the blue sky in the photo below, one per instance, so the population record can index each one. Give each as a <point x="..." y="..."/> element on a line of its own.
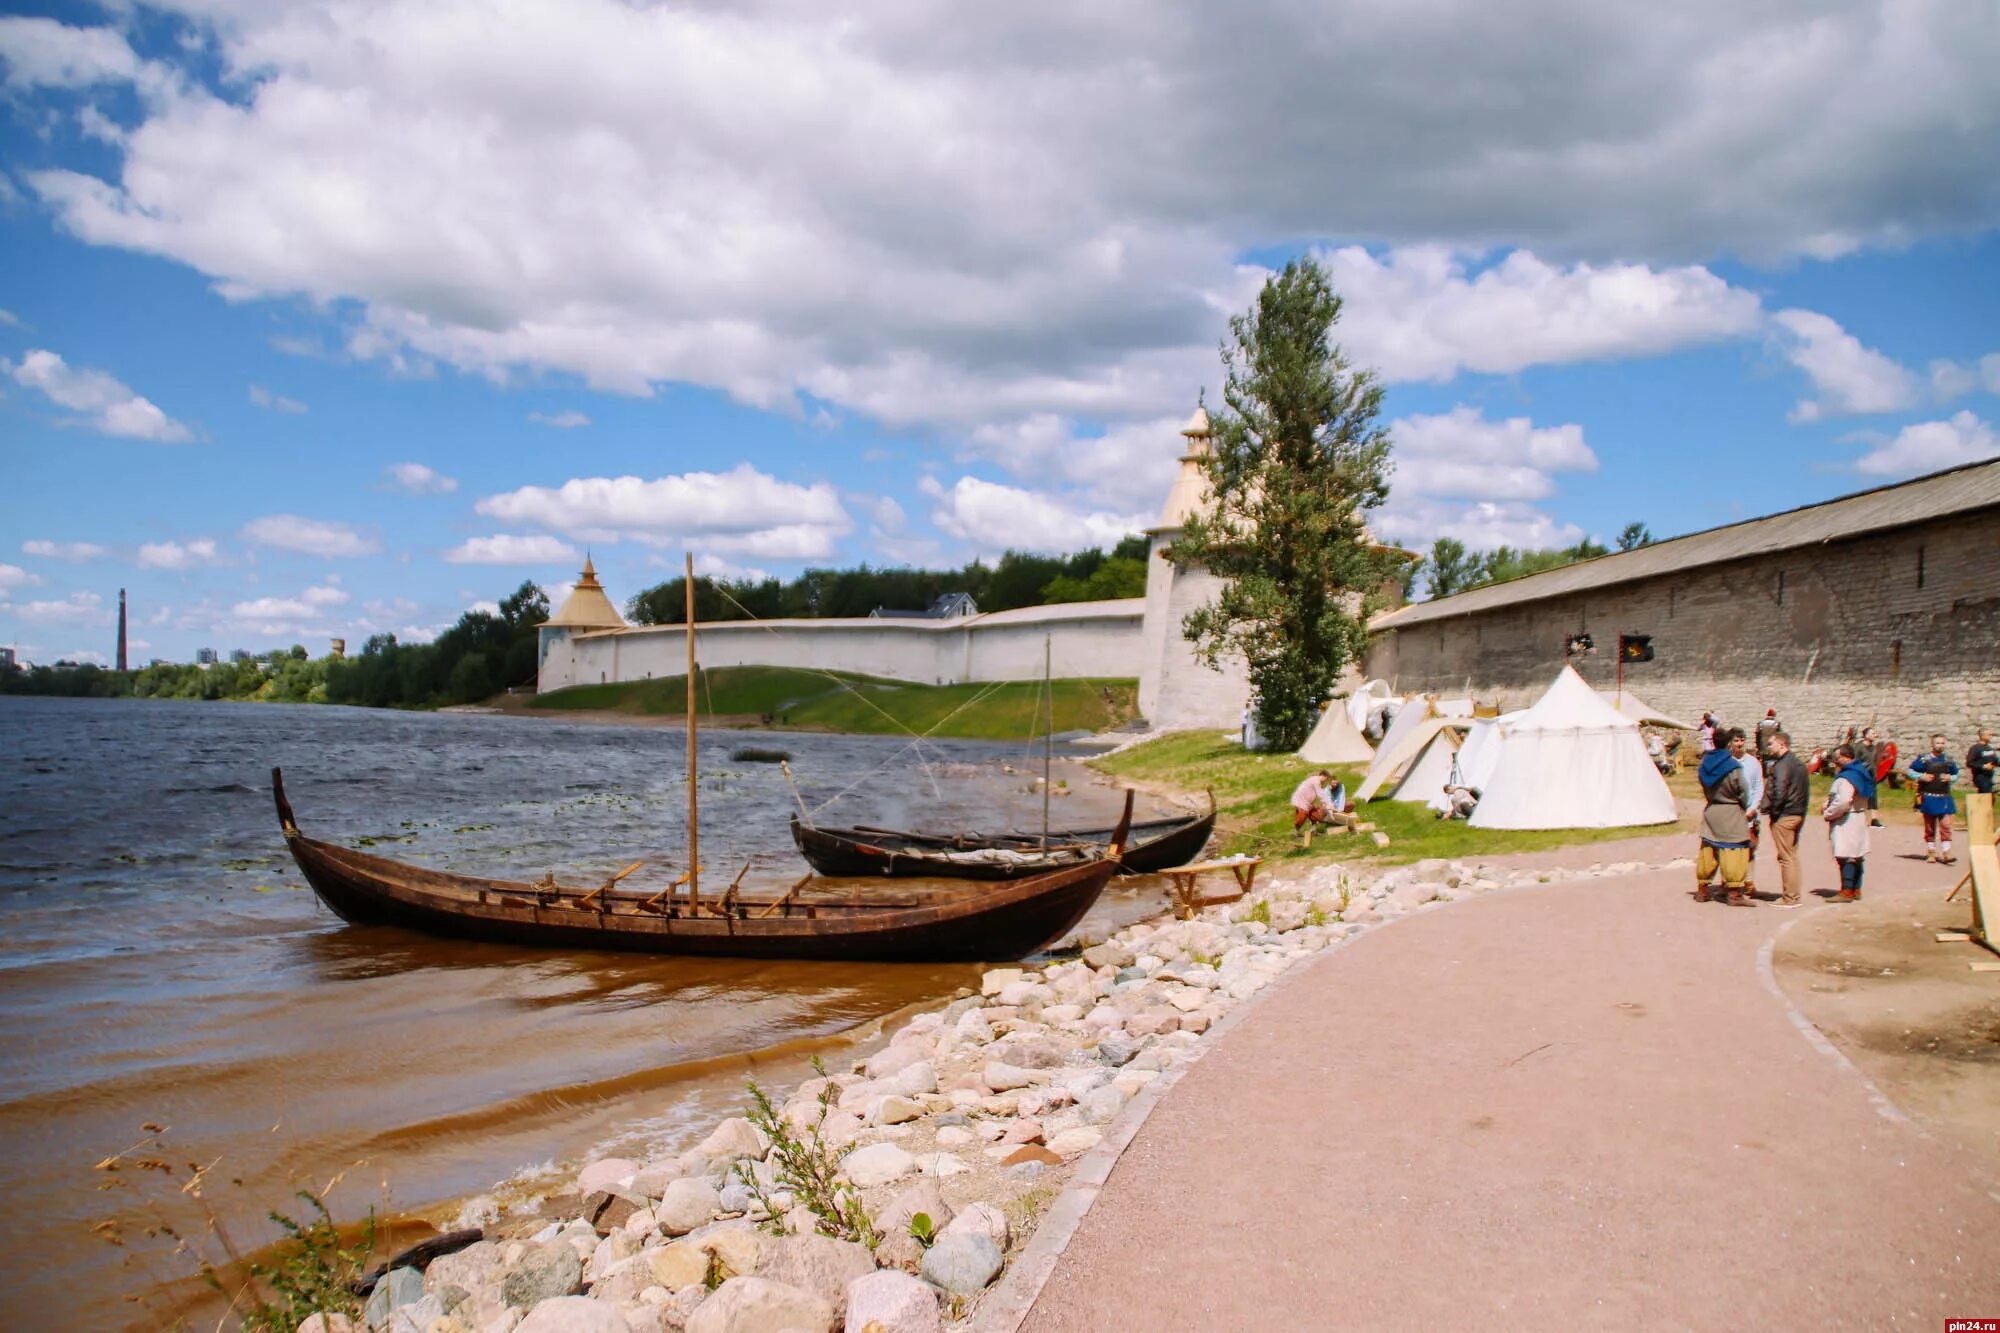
<point x="335" y="317"/>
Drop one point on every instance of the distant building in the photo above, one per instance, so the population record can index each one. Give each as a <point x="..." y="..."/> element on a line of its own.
<point x="7" y="661"/>
<point x="951" y="606"/>
<point x="204" y="657"/>
<point x="240" y="655"/>
<point x="122" y="664"/>
<point x="338" y="649"/>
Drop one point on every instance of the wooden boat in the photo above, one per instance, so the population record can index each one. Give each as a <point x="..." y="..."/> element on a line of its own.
<point x="1150" y="847"/>
<point x="844" y="922"/>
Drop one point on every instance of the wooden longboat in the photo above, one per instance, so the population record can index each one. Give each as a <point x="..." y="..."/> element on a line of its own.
<point x="832" y="922"/>
<point x="1150" y="847"/>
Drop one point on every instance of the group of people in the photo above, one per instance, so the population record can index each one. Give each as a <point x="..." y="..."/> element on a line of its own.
<point x="1745" y="793"/>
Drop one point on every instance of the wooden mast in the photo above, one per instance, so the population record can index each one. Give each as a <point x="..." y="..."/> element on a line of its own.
<point x="694" y="814"/>
<point x="1049" y="738"/>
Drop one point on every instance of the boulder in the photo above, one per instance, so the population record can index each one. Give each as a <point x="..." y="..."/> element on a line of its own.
<point x="573" y="1314"/>
<point x="1030" y="1152"/>
<point x="1023" y="1131"/>
<point x="818" y="1264"/>
<point x="999" y="979"/>
<point x="923" y="1197"/>
<point x="1003" y="1077"/>
<point x="877" y="1165"/>
<point x="470" y="1268"/>
<point x="1074" y="1142"/>
<point x="892" y="1059"/>
<point x="329" y="1323"/>
<point x="608" y="1210"/>
<point x="1030" y="1053"/>
<point x="687" y="1204"/>
<point x="942" y="1164"/>
<point x="650" y="1182"/>
<point x="1117" y="1050"/>
<point x="913" y="1080"/>
<point x="891" y="1302"/>
<point x="542" y="1272"/>
<point x="985" y="1219"/>
<point x="900" y="1251"/>
<point x="1103" y="1104"/>
<point x="893" y="1110"/>
<point x="962" y="1263"/>
<point x="951" y="1136"/>
<point x="1108" y="954"/>
<point x="759" y="1305"/>
<point x="399" y="1287"/>
<point x="733" y="1138"/>
<point x="606" y="1173"/>
<point x="678" y="1265"/>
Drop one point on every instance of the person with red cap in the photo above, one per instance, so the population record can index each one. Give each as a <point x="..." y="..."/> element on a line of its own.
<point x="1765" y="730"/>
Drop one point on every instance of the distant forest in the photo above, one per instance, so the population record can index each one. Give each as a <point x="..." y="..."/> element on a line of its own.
<point x="1450" y="568"/>
<point x="485" y="653"/>
<point x="1017" y="579"/>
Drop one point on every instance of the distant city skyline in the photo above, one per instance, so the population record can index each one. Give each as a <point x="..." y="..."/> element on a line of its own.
<point x="329" y="318"/>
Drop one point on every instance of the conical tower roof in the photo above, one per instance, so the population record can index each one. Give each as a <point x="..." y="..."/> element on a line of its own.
<point x="587" y="607"/>
<point x="1190" y="494"/>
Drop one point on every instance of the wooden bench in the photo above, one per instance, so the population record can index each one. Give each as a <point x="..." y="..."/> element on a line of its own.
<point x="1188" y="901"/>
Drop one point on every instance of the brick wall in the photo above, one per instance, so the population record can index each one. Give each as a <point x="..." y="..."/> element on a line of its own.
<point x="1900" y="629"/>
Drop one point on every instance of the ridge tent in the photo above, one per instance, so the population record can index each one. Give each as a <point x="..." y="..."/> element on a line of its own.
<point x="1432" y="768"/>
<point x="1335" y="740"/>
<point x="1476" y="757"/>
<point x="1392" y="761"/>
<point x="1571" y="761"/>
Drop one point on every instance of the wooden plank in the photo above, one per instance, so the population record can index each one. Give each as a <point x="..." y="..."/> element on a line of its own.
<point x="1953" y="937"/>
<point x="1983" y="967"/>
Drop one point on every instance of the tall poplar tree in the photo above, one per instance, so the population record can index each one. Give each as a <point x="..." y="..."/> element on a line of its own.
<point x="1298" y="460"/>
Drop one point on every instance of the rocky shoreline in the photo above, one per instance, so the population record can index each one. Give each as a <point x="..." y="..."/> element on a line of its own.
<point x="955" y="1136"/>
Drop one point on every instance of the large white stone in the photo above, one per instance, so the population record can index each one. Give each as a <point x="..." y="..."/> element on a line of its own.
<point x="877" y="1165"/>
<point x="895" y="1057"/>
<point x="983" y="1218"/>
<point x="759" y="1305"/>
<point x="574" y="1314"/>
<point x="889" y="1301"/>
<point x="733" y="1138"/>
<point x="687" y="1204"/>
<point x="999" y="979"/>
<point x="605" y="1174"/>
<point x="1003" y="1077"/>
<point x="1074" y="1142"/>
<point x="962" y="1263"/>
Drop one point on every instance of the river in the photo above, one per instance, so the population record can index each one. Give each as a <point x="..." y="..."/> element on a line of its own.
<point x="162" y="962"/>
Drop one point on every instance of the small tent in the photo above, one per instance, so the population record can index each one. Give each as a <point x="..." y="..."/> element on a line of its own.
<point x="1335" y="740"/>
<point x="1571" y="761"/>
<point x="1402" y="748"/>
<point x="1367" y="708"/>
<point x="1475" y="757"/>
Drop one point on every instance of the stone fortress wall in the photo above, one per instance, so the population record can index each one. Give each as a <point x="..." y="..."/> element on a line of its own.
<point x="1898" y="628"/>
<point x="1084" y="639"/>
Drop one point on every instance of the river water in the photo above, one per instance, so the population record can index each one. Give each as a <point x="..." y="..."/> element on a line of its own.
<point x="162" y="962"/>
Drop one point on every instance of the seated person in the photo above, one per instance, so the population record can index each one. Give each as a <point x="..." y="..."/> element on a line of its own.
<point x="1657" y="752"/>
<point x="1460" y="802"/>
<point x="1315" y="801"/>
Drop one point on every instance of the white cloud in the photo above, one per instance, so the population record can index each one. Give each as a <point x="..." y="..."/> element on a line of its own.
<point x="276" y="402"/>
<point x="1850" y="378"/>
<point x="1481" y="525"/>
<point x="7" y="317"/>
<point x="1931" y="446"/>
<point x="1951" y="380"/>
<point x="324" y="595"/>
<point x="993" y="518"/>
<point x="308" y="536"/>
<point x="79" y="608"/>
<point x="944" y="226"/>
<point x="178" y="555"/>
<point x="74" y="552"/>
<point x="1461" y="454"/>
<point x="107" y="405"/>
<point x="1420" y="314"/>
<point x="560" y="420"/>
<point x="42" y="53"/>
<point x="715" y="567"/>
<point x="508" y="549"/>
<point x="738" y="512"/>
<point x="13" y="576"/>
<point x="417" y="479"/>
<point x="85" y="657"/>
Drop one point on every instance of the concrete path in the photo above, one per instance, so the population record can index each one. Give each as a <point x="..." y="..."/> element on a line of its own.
<point x="1579" y="1106"/>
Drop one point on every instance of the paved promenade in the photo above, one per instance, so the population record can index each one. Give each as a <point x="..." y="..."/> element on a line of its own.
<point x="1579" y="1106"/>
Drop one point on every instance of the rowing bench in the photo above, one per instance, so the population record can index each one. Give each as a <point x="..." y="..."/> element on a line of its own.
<point x="1181" y="879"/>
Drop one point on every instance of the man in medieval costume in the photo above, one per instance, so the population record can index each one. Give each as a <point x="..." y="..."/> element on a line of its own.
<point x="1934" y="772"/>
<point x="1846" y="815"/>
<point x="1725" y="821"/>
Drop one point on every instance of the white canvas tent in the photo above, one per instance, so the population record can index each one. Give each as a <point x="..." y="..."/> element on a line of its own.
<point x="1371" y="700"/>
<point x="1402" y="748"/>
<point x="1476" y="757"/>
<point x="1632" y="706"/>
<point x="1432" y="769"/>
<point x="1335" y="741"/>
<point x="1571" y="761"/>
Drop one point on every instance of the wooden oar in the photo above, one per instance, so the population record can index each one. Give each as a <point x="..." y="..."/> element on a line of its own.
<point x="605" y="887"/>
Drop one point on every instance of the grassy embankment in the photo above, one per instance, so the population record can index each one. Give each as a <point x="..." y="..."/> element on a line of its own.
<point x="799" y="700"/>
<point x="1253" y="795"/>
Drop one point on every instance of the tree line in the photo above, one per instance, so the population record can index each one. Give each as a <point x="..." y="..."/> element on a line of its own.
<point x="1016" y="579"/>
<point x="1451" y="568"/>
<point x="476" y="658"/>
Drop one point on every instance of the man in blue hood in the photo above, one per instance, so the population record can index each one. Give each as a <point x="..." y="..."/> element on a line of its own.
<point x="1846" y="815"/>
<point x="1725" y="820"/>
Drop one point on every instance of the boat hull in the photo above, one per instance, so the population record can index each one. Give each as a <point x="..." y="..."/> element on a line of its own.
<point x="860" y="854"/>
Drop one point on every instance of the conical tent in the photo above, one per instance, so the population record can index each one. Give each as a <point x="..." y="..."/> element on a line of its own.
<point x="1632" y="706"/>
<point x="1335" y="741"/>
<point x="1396" y="748"/>
<point x="1476" y="755"/>
<point x="1571" y="761"/>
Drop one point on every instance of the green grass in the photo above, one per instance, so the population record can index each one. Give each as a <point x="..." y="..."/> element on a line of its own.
<point x="1253" y="795"/>
<point x="836" y="701"/>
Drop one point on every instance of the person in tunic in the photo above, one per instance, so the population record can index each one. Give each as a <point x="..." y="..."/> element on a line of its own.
<point x="1846" y="815"/>
<point x="1725" y="822"/>
<point x="1753" y="803"/>
<point x="1934" y="772"/>
<point x="1314" y="801"/>
<point x="1982" y="762"/>
<point x="1765" y="730"/>
<point x="1706" y="732"/>
<point x="1868" y="753"/>
<point x="1785" y="796"/>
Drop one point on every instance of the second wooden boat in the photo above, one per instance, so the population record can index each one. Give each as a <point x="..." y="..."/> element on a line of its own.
<point x="863" y="852"/>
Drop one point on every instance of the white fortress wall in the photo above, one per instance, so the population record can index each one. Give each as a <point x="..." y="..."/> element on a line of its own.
<point x="1084" y="639"/>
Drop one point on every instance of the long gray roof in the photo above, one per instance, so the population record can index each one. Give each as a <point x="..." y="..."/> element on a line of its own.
<point x="1961" y="489"/>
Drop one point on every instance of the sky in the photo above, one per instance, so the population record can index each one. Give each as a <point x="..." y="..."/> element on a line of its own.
<point x="341" y="317"/>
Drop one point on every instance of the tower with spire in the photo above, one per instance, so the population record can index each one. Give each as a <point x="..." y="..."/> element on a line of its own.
<point x="121" y="630"/>
<point x="586" y="610"/>
<point x="1176" y="691"/>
